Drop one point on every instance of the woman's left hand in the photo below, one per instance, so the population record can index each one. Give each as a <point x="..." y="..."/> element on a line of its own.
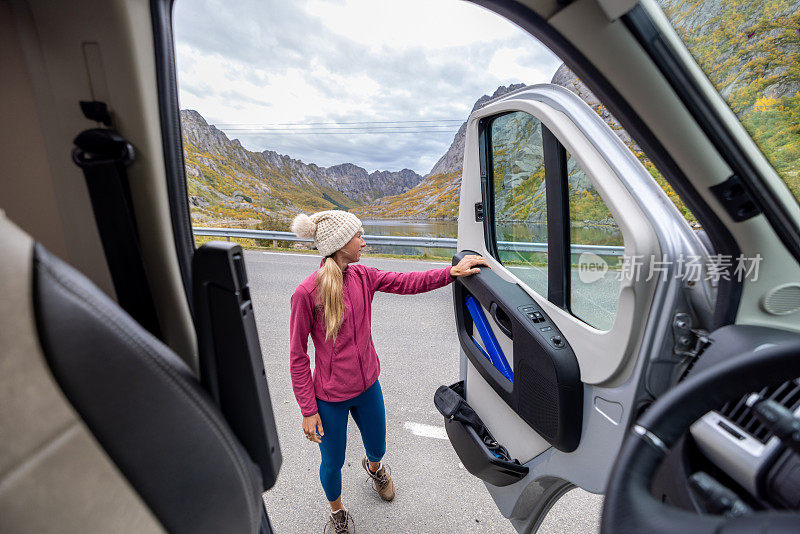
<point x="467" y="265"/>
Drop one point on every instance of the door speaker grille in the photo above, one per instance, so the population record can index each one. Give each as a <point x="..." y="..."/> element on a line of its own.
<point x="538" y="400"/>
<point x="782" y="300"/>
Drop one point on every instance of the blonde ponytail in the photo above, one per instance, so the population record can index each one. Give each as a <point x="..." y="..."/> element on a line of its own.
<point x="329" y="295"/>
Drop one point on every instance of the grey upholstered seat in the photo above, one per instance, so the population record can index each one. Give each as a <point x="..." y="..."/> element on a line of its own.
<point x="102" y="427"/>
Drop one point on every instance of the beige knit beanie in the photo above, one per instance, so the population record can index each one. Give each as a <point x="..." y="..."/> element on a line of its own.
<point x="330" y="230"/>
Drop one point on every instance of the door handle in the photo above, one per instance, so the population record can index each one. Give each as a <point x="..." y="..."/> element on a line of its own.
<point x="501" y="319"/>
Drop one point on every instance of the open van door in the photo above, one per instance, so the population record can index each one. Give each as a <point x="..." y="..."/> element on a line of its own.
<point x="594" y="305"/>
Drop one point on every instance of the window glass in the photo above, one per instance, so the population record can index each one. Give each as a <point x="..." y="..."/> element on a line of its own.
<point x="520" y="202"/>
<point x="751" y="53"/>
<point x="594" y="281"/>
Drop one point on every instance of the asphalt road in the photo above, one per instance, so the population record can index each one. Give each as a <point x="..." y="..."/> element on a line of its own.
<point x="415" y="339"/>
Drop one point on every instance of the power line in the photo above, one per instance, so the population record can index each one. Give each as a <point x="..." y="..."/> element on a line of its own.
<point x="443" y="128"/>
<point x="226" y="124"/>
<point x="304" y="132"/>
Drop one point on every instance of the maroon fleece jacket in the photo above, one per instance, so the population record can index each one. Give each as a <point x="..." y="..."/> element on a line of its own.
<point x="347" y="366"/>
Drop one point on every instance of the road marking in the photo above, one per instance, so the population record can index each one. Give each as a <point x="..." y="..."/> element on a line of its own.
<point x="426" y="431"/>
<point x="293" y="254"/>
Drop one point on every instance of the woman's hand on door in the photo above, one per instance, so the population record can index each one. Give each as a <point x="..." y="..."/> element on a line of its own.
<point x="467" y="265"/>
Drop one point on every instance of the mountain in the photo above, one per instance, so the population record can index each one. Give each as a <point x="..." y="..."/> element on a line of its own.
<point x="453" y="159"/>
<point x="750" y="51"/>
<point x="231" y="185"/>
<point x="436" y="196"/>
<point x="518" y="163"/>
<point x="354" y="181"/>
<point x="592" y="203"/>
<point x="520" y="180"/>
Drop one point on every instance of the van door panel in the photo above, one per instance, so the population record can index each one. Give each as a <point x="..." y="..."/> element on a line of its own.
<point x="546" y="391"/>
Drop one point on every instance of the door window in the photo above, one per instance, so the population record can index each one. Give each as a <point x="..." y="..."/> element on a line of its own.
<point x="517" y="225"/>
<point x="518" y="199"/>
<point x="594" y="276"/>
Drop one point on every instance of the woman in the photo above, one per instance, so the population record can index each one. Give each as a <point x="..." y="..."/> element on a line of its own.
<point x="334" y="306"/>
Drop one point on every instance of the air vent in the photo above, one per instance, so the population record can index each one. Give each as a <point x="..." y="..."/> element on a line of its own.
<point x="782" y="300"/>
<point x="787" y="394"/>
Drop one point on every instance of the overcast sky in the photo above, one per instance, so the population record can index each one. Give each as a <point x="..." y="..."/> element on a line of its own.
<point x="265" y="71"/>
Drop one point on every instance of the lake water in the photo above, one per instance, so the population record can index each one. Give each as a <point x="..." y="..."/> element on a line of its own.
<point x="411" y="228"/>
<point x="507" y="231"/>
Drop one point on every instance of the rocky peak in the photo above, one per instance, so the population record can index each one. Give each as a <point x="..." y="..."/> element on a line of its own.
<point x="499" y="92"/>
<point x="453" y="159"/>
<point x="436" y="196"/>
<point x="570" y="81"/>
<point x="394" y="183"/>
<point x="346" y="172"/>
<point x="200" y="133"/>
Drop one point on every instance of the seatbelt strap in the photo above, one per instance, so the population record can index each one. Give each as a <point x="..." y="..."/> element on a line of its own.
<point x="103" y="155"/>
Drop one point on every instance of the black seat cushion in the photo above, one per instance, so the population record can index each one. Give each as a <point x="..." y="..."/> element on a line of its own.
<point x="144" y="406"/>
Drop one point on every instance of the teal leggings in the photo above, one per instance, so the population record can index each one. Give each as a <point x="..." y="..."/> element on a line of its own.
<point x="370" y="417"/>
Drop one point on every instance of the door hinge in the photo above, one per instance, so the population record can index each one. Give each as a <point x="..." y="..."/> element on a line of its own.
<point x="478" y="211"/>
<point x="689" y="342"/>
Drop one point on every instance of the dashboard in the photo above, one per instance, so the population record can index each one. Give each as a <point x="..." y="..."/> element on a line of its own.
<point x="731" y="444"/>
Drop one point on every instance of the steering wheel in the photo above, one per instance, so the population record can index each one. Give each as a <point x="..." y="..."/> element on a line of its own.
<point x="629" y="504"/>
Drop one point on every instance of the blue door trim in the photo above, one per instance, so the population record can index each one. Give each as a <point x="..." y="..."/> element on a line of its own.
<point x="493" y="352"/>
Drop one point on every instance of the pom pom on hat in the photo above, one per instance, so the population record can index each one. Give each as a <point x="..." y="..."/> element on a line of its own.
<point x="304" y="227"/>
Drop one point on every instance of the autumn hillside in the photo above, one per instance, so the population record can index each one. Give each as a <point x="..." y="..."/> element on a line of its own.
<point x="436" y="197"/>
<point x="751" y="52"/>
<point x="230" y="186"/>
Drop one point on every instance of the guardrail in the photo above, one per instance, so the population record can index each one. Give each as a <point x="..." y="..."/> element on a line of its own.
<point x="407" y="241"/>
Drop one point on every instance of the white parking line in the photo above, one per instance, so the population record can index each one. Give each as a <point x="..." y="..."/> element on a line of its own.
<point x="426" y="431"/>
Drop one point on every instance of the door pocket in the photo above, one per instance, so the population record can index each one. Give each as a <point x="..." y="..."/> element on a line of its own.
<point x="477" y="449"/>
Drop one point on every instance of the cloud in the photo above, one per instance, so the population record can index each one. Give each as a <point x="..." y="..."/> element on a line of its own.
<point x="403" y="23"/>
<point x="383" y="151"/>
<point x="259" y="63"/>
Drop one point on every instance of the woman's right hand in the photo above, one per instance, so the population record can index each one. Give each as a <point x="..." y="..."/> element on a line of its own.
<point x="467" y="266"/>
<point x="312" y="428"/>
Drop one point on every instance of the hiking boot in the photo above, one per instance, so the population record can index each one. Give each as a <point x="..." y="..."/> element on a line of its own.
<point x="340" y="522"/>
<point x="381" y="480"/>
